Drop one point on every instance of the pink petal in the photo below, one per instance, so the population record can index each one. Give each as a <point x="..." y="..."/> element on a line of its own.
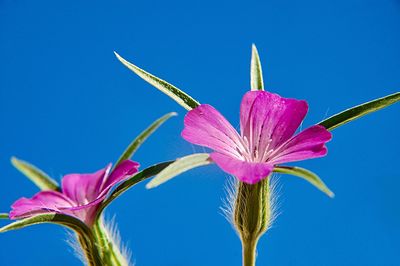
<point x="308" y="144"/>
<point x="268" y="120"/>
<point x="247" y="172"/>
<point x="125" y="169"/>
<point x="84" y="188"/>
<point x="42" y="202"/>
<point x="205" y="126"/>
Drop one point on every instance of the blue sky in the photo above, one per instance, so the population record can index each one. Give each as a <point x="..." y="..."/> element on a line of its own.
<point x="67" y="105"/>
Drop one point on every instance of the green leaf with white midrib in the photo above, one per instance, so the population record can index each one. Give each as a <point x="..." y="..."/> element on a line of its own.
<point x="37" y="176"/>
<point x="135" y="144"/>
<point x="176" y="94"/>
<point x="256" y="76"/>
<point x="60" y="219"/>
<point x="84" y="234"/>
<point x="305" y="174"/>
<point x="178" y="167"/>
<point x="359" y="111"/>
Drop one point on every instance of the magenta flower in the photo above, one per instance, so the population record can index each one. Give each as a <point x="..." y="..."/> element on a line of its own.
<point x="80" y="197"/>
<point x="267" y="125"/>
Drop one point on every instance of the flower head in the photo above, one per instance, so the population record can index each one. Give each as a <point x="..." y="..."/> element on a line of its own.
<point x="268" y="123"/>
<point x="80" y="196"/>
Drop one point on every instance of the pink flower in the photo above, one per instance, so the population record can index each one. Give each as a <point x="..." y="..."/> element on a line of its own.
<point x="80" y="197"/>
<point x="267" y="125"/>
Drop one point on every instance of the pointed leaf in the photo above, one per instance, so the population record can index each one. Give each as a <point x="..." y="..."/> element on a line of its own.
<point x="176" y="94"/>
<point x="4" y="216"/>
<point x="359" y="111"/>
<point x="256" y="77"/>
<point x="178" y="167"/>
<point x="61" y="219"/>
<point x="37" y="176"/>
<point x="84" y="233"/>
<point x="135" y="144"/>
<point x="307" y="175"/>
<point x="124" y="186"/>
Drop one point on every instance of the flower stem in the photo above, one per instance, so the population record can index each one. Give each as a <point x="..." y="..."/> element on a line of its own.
<point x="249" y="252"/>
<point x="110" y="252"/>
<point x="90" y="250"/>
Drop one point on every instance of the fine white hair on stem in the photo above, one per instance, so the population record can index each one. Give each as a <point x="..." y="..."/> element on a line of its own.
<point x="114" y="236"/>
<point x="275" y="190"/>
<point x="73" y="242"/>
<point x="228" y="202"/>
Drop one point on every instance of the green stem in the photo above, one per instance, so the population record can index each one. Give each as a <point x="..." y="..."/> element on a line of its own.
<point x="109" y="251"/>
<point x="249" y="252"/>
<point x="90" y="251"/>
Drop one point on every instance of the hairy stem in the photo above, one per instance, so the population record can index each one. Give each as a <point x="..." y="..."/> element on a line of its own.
<point x="90" y="251"/>
<point x="110" y="252"/>
<point x="249" y="252"/>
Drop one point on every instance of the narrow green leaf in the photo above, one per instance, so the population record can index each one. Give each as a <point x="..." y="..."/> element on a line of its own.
<point x="61" y="219"/>
<point x="359" y="111"/>
<point x="135" y="144"/>
<point x="307" y="175"/>
<point x="256" y="77"/>
<point x="4" y="216"/>
<point x="176" y="94"/>
<point x="37" y="176"/>
<point x="178" y="167"/>
<point x="84" y="233"/>
<point x="124" y="186"/>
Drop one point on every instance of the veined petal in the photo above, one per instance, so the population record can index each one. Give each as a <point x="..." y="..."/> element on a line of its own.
<point x="268" y="120"/>
<point x="205" y="126"/>
<point x="308" y="144"/>
<point x="248" y="172"/>
<point x="123" y="170"/>
<point x="42" y="202"/>
<point x="84" y="188"/>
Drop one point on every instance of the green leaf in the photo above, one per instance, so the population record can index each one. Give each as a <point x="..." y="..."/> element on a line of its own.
<point x="176" y="94"/>
<point x="178" y="167"/>
<point x="256" y="77"/>
<point x="84" y="233"/>
<point x="307" y="175"/>
<point x="4" y="216"/>
<point x="61" y="219"/>
<point x="359" y="111"/>
<point x="124" y="186"/>
<point x="135" y="144"/>
<point x="37" y="176"/>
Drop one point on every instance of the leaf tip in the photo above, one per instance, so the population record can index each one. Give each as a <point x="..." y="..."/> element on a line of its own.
<point x="150" y="185"/>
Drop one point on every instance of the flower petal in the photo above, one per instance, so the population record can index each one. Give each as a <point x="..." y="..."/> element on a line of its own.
<point x="308" y="144"/>
<point x="205" y="126"/>
<point x="42" y="202"/>
<point x="268" y="120"/>
<point x="247" y="172"/>
<point x="123" y="170"/>
<point x="84" y="188"/>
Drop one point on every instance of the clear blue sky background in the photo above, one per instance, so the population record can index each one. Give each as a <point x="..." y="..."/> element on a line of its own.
<point x="67" y="105"/>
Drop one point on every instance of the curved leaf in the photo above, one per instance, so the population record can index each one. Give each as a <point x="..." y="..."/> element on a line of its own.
<point x="124" y="186"/>
<point x="359" y="111"/>
<point x="4" y="216"/>
<point x="178" y="167"/>
<point x="37" y="176"/>
<point x="84" y="234"/>
<point x="56" y="218"/>
<point x="176" y="94"/>
<point x="135" y="144"/>
<point x="256" y="77"/>
<point x="307" y="175"/>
